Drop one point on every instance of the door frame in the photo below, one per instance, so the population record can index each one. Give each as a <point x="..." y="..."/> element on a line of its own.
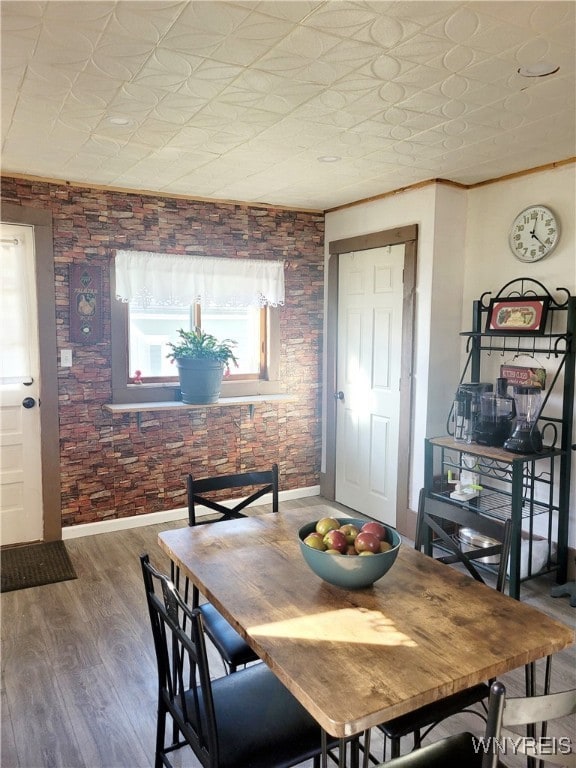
<point x="46" y="299"/>
<point x="408" y="236"/>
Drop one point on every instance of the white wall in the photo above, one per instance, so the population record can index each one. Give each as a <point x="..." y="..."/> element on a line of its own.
<point x="440" y="215"/>
<point x="462" y="252"/>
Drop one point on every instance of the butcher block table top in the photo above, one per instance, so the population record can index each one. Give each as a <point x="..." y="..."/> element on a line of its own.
<point x="357" y="658"/>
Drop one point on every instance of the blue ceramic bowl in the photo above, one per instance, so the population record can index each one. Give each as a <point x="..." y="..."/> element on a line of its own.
<point x="349" y="571"/>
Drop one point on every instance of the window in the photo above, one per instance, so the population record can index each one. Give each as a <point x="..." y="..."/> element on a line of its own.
<point x="151" y="328"/>
<point x="154" y="295"/>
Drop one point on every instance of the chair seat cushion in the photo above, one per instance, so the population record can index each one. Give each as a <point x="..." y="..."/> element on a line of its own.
<point x="229" y="644"/>
<point x="459" y="751"/>
<point x="435" y="712"/>
<point x="258" y="719"/>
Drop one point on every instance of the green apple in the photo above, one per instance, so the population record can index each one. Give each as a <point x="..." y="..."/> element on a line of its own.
<point x="315" y="541"/>
<point x="326" y="524"/>
<point x="350" y="531"/>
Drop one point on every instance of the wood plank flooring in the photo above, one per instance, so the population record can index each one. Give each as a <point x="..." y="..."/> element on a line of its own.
<point x="78" y="668"/>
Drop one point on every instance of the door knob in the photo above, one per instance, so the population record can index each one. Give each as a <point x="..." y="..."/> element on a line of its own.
<point x="339" y="395"/>
<point x="28" y="402"/>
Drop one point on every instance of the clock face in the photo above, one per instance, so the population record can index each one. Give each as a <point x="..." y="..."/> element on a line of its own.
<point x="534" y="234"/>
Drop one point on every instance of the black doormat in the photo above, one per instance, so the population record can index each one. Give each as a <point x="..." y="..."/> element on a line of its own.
<point x="34" y="565"/>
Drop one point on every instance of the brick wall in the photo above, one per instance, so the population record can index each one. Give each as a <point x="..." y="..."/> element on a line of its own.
<point x="111" y="466"/>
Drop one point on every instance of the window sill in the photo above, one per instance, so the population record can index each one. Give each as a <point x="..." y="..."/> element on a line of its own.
<point x="223" y="402"/>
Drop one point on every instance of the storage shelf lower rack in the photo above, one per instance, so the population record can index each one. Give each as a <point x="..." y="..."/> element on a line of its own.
<point x="497" y="504"/>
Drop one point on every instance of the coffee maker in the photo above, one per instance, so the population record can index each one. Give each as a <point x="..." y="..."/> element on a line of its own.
<point x="526" y="437"/>
<point x="466" y="409"/>
<point x="497" y="412"/>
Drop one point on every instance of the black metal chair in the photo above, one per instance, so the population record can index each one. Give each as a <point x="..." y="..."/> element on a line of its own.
<point x="234" y="651"/>
<point x="441" y="521"/>
<point x="465" y="750"/>
<point x="235" y="721"/>
<point x="535" y="712"/>
<point x="458" y="751"/>
<point x="261" y="481"/>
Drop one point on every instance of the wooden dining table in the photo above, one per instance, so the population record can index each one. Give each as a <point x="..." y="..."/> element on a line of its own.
<point x="357" y="658"/>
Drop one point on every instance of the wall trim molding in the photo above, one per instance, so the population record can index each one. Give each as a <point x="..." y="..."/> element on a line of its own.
<point x="168" y="516"/>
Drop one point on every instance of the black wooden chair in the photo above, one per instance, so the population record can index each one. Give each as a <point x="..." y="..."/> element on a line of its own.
<point x="235" y="721"/>
<point x="440" y="522"/>
<point x="465" y="750"/>
<point x="249" y="486"/>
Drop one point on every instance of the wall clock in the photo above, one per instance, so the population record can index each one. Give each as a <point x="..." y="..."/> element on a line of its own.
<point x="534" y="233"/>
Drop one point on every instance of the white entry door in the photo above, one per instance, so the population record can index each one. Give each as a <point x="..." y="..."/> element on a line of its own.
<point x="370" y="301"/>
<point x="21" y="514"/>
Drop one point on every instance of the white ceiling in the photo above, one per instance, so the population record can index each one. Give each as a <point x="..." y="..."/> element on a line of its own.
<point x="237" y="100"/>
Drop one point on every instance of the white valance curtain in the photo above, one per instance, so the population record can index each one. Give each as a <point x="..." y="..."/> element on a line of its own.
<point x="144" y="278"/>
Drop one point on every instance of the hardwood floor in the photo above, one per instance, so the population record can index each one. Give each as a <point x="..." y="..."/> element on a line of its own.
<point x="78" y="667"/>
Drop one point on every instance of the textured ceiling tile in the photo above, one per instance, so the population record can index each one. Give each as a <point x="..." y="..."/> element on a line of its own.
<point x="282" y="99"/>
<point x="342" y="18"/>
<point x="119" y="58"/>
<point x="168" y="70"/>
<point x="288" y="9"/>
<point x="177" y="109"/>
<point x="135" y="98"/>
<point x="490" y="70"/>
<point x="421" y="76"/>
<point x="387" y="32"/>
<point x="422" y="49"/>
<point x="227" y="93"/>
<point x="146" y="21"/>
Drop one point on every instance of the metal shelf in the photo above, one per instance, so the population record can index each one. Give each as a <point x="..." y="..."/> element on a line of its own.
<point x="520" y="487"/>
<point x="497" y="504"/>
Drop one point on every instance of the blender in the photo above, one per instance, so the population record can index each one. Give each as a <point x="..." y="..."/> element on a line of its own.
<point x="497" y="412"/>
<point x="526" y="437"/>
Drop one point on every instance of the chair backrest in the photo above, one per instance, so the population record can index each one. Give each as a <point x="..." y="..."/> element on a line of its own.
<point x="183" y="673"/>
<point x="441" y="521"/>
<point x="255" y="484"/>
<point x="527" y="711"/>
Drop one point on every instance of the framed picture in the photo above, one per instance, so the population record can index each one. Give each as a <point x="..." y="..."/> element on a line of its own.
<point x="517" y="315"/>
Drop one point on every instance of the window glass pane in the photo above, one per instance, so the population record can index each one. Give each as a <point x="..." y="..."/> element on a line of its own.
<point x="240" y="325"/>
<point x="152" y="328"/>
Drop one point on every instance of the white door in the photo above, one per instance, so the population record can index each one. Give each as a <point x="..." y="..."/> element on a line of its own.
<point x="370" y="301"/>
<point x="21" y="514"/>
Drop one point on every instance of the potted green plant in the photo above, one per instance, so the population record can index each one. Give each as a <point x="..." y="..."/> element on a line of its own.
<point x="202" y="361"/>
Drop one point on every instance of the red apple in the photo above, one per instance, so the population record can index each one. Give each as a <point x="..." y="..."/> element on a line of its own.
<point x="314" y="540"/>
<point x="335" y="540"/>
<point x="351" y="550"/>
<point x="376" y="528"/>
<point x="327" y="524"/>
<point x="350" y="531"/>
<point x="367" y="542"/>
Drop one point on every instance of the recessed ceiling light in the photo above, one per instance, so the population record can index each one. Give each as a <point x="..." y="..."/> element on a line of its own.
<point x="329" y="159"/>
<point x="539" y="69"/>
<point x="118" y="120"/>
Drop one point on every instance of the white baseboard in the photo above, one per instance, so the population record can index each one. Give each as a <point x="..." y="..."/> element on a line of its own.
<point x="137" y="521"/>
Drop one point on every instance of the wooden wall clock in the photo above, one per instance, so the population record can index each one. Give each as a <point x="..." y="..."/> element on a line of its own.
<point x="85" y="303"/>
